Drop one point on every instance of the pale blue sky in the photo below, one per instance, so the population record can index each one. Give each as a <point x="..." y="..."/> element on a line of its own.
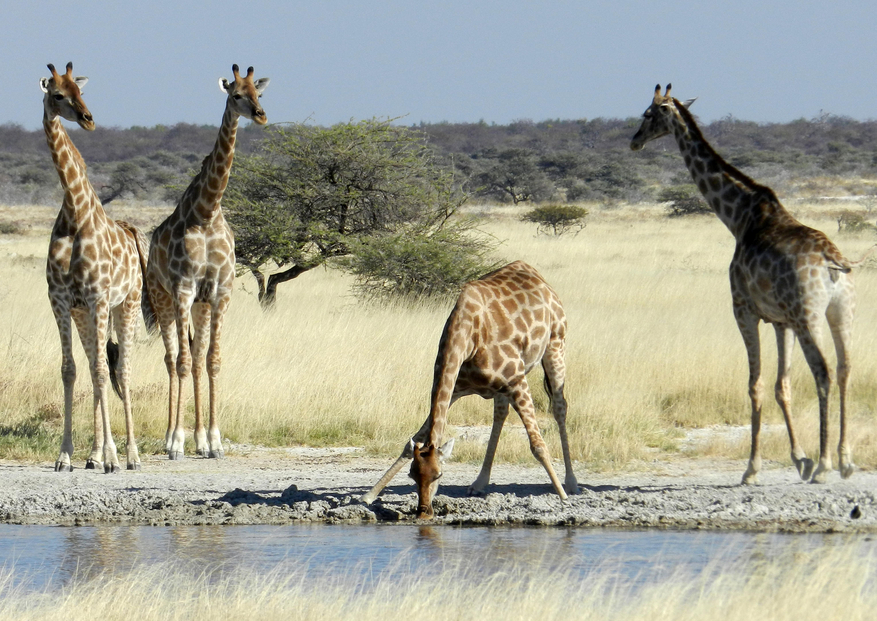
<point x="158" y="61"/>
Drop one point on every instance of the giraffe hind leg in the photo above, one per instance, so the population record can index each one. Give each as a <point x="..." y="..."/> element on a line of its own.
<point x="840" y="321"/>
<point x="783" y="391"/>
<point x="554" y="366"/>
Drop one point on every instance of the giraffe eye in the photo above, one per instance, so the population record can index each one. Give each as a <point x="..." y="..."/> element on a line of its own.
<point x="238" y="97"/>
<point x="58" y="97"/>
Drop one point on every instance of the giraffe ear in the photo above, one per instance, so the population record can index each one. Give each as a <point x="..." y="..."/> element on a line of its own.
<point x="44" y="84"/>
<point x="687" y="103"/>
<point x="445" y="450"/>
<point x="260" y="84"/>
<point x="224" y="85"/>
<point x="81" y="81"/>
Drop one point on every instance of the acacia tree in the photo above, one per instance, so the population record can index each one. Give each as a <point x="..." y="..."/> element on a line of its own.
<point x="309" y="195"/>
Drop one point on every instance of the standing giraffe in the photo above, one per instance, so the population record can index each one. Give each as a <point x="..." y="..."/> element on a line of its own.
<point x="502" y="325"/>
<point x="782" y="273"/>
<point x="191" y="271"/>
<point x="94" y="269"/>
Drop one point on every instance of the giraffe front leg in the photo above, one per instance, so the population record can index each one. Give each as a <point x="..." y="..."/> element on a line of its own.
<point x="87" y="334"/>
<point x="64" y="463"/>
<point x="125" y="318"/>
<point x="748" y="325"/>
<point x="214" y="364"/>
<point x="500" y="413"/>
<point x="100" y="374"/>
<point x="201" y="324"/>
<point x="182" y="304"/>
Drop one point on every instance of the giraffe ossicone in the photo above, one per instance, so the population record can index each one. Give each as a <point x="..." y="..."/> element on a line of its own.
<point x="94" y="272"/>
<point x="783" y="273"/>
<point x="502" y="325"/>
<point x="190" y="274"/>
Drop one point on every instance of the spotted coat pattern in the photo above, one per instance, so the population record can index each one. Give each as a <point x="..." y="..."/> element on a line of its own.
<point x="191" y="273"/>
<point x="501" y="326"/>
<point x="94" y="270"/>
<point x="783" y="273"/>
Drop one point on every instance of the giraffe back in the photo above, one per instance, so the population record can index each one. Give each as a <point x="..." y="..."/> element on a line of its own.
<point x="499" y="329"/>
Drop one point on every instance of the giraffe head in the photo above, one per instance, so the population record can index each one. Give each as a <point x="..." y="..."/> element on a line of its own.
<point x="244" y="93"/>
<point x="63" y="97"/>
<point x="426" y="470"/>
<point x="657" y="119"/>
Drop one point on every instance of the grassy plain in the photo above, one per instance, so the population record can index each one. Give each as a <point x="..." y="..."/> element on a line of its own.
<point x="653" y="349"/>
<point x="829" y="583"/>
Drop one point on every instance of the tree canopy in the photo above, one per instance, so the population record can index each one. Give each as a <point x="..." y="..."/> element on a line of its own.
<point x="309" y="196"/>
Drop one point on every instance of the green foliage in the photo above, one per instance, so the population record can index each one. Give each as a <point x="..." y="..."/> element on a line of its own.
<point x="557" y="219"/>
<point x="512" y="174"/>
<point x="10" y="228"/>
<point x="416" y="264"/>
<point x="684" y="200"/>
<point x="310" y="194"/>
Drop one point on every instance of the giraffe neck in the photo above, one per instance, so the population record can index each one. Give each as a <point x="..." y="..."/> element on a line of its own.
<point x="738" y="201"/>
<point x="204" y="195"/>
<point x="79" y="197"/>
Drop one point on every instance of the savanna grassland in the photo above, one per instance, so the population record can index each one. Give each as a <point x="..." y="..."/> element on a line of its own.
<point x="652" y="351"/>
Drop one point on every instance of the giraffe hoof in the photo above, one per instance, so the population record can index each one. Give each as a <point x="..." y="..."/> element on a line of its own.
<point x="93" y="465"/>
<point x="217" y="454"/>
<point x="135" y="466"/>
<point x="62" y="467"/>
<point x="112" y="469"/>
<point x="202" y="452"/>
<point x="805" y="468"/>
<point x="476" y="493"/>
<point x="174" y="455"/>
<point x="820" y="476"/>
<point x="847" y="471"/>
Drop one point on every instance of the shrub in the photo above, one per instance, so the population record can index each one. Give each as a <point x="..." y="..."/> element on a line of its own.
<point x="684" y="200"/>
<point x="557" y="219"/>
<point x="853" y="222"/>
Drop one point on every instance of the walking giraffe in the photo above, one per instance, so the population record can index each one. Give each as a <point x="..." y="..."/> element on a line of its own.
<point x="191" y="271"/>
<point x="502" y="325"/>
<point x="94" y="268"/>
<point x="782" y="273"/>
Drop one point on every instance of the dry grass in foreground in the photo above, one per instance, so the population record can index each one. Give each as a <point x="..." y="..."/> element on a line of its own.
<point x="829" y="583"/>
<point x="652" y="350"/>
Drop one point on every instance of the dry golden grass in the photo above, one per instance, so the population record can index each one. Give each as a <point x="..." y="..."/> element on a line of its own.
<point x="829" y="583"/>
<point x="652" y="349"/>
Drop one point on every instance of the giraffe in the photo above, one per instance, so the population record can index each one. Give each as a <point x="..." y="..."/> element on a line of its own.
<point x="782" y="272"/>
<point x="502" y="325"/>
<point x="95" y="272"/>
<point x="191" y="271"/>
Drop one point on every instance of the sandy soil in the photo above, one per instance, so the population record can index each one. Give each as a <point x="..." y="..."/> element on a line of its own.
<point x="262" y="486"/>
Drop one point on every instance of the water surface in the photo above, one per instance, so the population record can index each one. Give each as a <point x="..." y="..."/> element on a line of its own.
<point x="48" y="557"/>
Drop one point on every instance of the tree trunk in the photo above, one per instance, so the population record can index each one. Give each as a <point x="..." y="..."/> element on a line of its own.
<point x="268" y="294"/>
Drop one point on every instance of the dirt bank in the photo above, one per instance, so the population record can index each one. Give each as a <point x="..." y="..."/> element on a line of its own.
<point x="259" y="486"/>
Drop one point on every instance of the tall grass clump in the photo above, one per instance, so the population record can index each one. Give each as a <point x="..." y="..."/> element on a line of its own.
<point x="828" y="583"/>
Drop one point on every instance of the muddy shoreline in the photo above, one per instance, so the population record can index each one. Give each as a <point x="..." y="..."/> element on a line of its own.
<point x="262" y="486"/>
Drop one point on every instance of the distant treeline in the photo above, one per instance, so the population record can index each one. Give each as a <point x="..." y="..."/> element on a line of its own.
<point x="559" y="160"/>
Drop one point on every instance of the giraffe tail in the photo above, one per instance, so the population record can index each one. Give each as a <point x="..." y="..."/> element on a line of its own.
<point x="113" y="364"/>
<point x="845" y="265"/>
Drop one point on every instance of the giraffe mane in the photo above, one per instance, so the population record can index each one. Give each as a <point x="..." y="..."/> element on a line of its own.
<point x="727" y="168"/>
